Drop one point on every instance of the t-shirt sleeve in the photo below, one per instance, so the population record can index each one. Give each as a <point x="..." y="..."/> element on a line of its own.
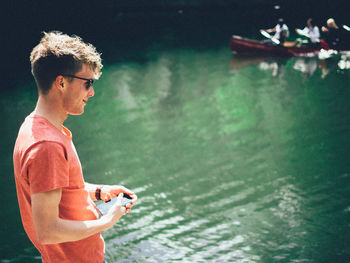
<point x="48" y="168"/>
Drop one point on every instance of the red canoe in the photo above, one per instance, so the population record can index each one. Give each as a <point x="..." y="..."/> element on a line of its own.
<point x="245" y="45"/>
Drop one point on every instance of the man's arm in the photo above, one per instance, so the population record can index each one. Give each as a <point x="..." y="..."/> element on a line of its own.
<point x="51" y="229"/>
<point x="272" y="30"/>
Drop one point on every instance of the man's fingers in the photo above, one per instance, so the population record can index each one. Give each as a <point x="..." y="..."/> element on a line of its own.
<point x="133" y="198"/>
<point x="119" y="199"/>
<point x="107" y="197"/>
<point x="127" y="191"/>
<point x="119" y="203"/>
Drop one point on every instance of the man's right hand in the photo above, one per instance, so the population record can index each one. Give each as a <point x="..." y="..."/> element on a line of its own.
<point x="117" y="210"/>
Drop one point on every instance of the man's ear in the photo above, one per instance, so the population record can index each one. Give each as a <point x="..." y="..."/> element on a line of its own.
<point x="59" y="82"/>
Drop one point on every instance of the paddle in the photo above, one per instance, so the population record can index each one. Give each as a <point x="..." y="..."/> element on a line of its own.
<point x="346" y="27"/>
<point x="301" y="32"/>
<point x="267" y="35"/>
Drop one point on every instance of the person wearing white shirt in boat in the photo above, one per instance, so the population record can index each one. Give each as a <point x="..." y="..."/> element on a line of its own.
<point x="281" y="33"/>
<point x="310" y="31"/>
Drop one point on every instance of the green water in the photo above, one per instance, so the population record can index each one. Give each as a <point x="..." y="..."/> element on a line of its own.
<point x="234" y="159"/>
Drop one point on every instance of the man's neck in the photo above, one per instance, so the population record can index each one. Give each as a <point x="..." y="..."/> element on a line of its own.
<point x="48" y="107"/>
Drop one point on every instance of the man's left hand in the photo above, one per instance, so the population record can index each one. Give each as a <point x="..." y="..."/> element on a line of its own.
<point x="110" y="191"/>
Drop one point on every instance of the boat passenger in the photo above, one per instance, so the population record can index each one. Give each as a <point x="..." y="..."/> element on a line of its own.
<point x="311" y="32"/>
<point x="281" y="31"/>
<point x="331" y="33"/>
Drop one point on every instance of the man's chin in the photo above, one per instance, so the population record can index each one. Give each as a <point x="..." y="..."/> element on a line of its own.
<point x="76" y="112"/>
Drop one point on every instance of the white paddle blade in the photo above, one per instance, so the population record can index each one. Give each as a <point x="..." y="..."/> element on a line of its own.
<point x="346" y="27"/>
<point x="267" y="35"/>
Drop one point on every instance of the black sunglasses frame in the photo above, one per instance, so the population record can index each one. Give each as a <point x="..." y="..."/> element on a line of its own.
<point x="88" y="84"/>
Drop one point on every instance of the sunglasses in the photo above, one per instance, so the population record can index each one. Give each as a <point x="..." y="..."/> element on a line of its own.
<point x="88" y="83"/>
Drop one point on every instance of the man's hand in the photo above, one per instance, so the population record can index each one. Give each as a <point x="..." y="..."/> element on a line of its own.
<point x="51" y="229"/>
<point x="110" y="191"/>
<point x="117" y="210"/>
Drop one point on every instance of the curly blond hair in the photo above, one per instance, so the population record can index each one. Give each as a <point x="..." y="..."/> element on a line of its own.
<point x="59" y="54"/>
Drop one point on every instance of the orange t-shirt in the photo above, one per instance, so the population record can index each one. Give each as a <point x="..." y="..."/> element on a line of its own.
<point x="45" y="159"/>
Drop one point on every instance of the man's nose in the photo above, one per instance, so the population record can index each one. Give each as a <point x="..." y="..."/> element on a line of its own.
<point x="91" y="92"/>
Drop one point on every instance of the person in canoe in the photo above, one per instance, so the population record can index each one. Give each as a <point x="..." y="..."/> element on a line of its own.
<point x="331" y="33"/>
<point x="281" y="32"/>
<point x="337" y="37"/>
<point x="311" y="32"/>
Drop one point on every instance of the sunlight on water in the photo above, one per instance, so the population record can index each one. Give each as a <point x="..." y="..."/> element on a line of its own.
<point x="215" y="147"/>
<point x="234" y="159"/>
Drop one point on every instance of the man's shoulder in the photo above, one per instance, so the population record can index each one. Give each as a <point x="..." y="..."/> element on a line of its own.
<point x="43" y="149"/>
<point x="35" y="131"/>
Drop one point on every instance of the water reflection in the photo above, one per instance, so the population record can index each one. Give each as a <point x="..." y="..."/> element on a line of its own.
<point x="305" y="65"/>
<point x="327" y="61"/>
<point x="239" y="61"/>
<point x="344" y="62"/>
<point x="221" y="149"/>
<point x="230" y="163"/>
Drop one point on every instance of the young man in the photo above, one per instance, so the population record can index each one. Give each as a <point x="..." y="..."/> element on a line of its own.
<point x="56" y="205"/>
